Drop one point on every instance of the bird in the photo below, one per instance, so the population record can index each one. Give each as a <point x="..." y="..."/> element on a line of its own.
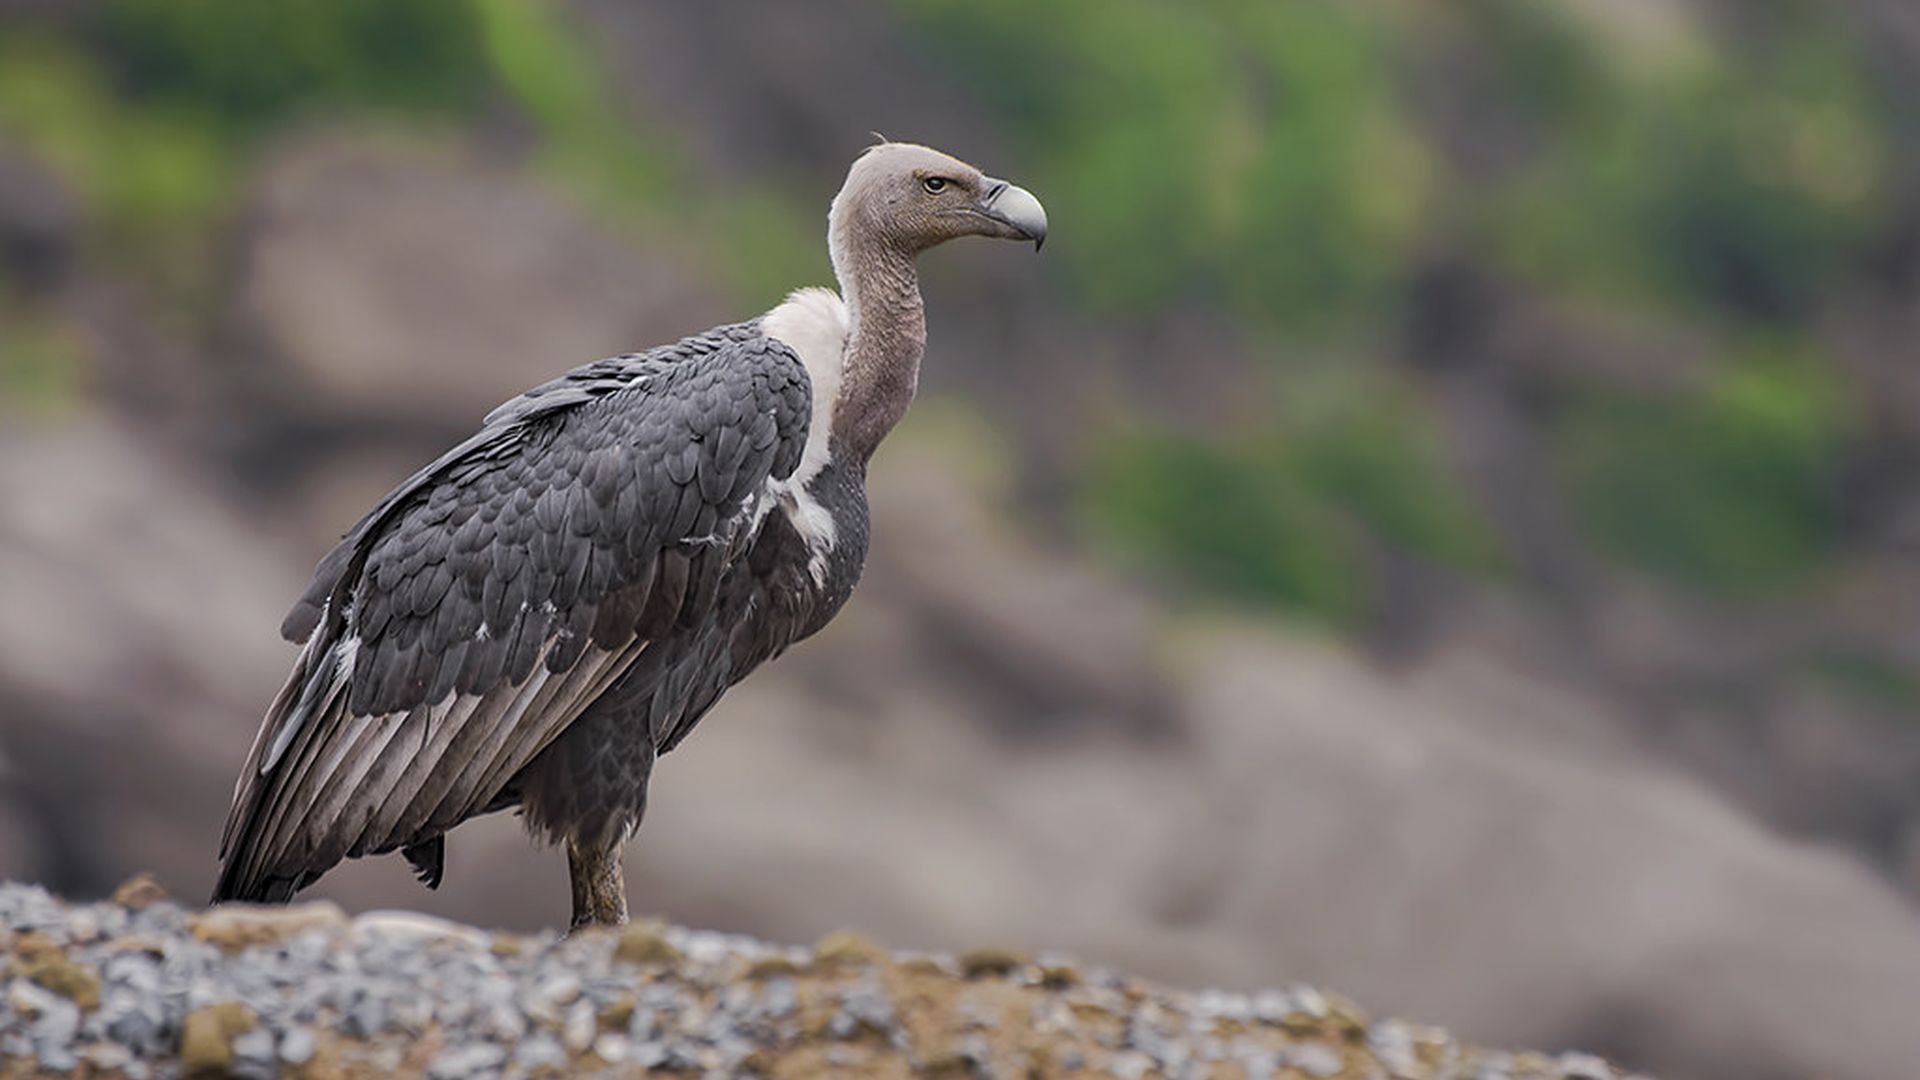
<point x="530" y="621"/>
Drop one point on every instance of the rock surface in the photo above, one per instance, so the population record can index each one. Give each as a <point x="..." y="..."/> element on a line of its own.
<point x="302" y="991"/>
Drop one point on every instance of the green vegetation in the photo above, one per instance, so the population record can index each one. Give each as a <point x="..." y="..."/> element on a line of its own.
<point x="244" y="65"/>
<point x="1869" y="678"/>
<point x="558" y="84"/>
<point x="1737" y="186"/>
<point x="1275" y="159"/>
<point x="1279" y="161"/>
<point x="1239" y="147"/>
<point x="151" y="109"/>
<point x="1281" y="515"/>
<point x="1229" y="523"/>
<point x="42" y="362"/>
<point x="151" y="179"/>
<point x="1725" y="489"/>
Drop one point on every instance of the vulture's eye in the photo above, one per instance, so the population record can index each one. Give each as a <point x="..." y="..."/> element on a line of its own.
<point x="934" y="184"/>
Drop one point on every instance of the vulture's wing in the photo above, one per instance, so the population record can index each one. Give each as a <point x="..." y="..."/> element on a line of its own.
<point x="469" y="618"/>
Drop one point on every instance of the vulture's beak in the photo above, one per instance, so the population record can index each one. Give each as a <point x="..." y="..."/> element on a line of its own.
<point x="1015" y="208"/>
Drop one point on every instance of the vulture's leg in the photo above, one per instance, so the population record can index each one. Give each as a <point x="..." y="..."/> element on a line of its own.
<point x="588" y="789"/>
<point x="599" y="884"/>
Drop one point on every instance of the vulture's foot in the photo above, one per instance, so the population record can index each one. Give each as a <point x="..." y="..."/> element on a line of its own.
<point x="599" y="886"/>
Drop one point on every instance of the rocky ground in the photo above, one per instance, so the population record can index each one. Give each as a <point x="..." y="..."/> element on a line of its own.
<point x="142" y="987"/>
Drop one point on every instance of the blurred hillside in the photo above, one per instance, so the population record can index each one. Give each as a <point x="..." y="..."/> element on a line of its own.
<point x="1450" y="487"/>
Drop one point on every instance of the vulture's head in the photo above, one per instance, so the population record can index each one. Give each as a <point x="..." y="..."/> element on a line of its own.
<point x="912" y="197"/>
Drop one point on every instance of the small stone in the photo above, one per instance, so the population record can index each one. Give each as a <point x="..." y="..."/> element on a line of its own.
<point x="844" y="948"/>
<point x="927" y="965"/>
<point x="297" y="1047"/>
<point x="56" y="1020"/>
<point x="82" y="926"/>
<point x="948" y="1065"/>
<point x="1532" y="1063"/>
<point x="558" y="990"/>
<point x="992" y="960"/>
<point x="109" y="1056"/>
<point x="870" y="1007"/>
<point x="782" y="998"/>
<point x="366" y="1017"/>
<point x="237" y="927"/>
<point x="1259" y="1064"/>
<point x="413" y="928"/>
<point x="649" y="1055"/>
<point x="645" y="943"/>
<point x="206" y="1037"/>
<point x="25" y="998"/>
<point x="465" y="1061"/>
<point x="704" y="948"/>
<point x="771" y="966"/>
<point x="33" y="945"/>
<point x="139" y="892"/>
<point x="1061" y="976"/>
<point x="542" y="1051"/>
<point x="611" y="1048"/>
<point x="1222" y="1005"/>
<point x="619" y="1012"/>
<point x="978" y="1016"/>
<point x="1393" y="1045"/>
<point x="578" y="1033"/>
<point x="58" y="1057"/>
<point x="505" y="1023"/>
<point x="137" y="1025"/>
<point x="253" y="1054"/>
<point x="1316" y="1059"/>
<point x="1576" y="1066"/>
<point x="1347" y="1018"/>
<point x="46" y="965"/>
<point x="1271" y="1006"/>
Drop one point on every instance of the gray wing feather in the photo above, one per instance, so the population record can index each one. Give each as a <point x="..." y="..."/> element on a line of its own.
<point x="492" y="596"/>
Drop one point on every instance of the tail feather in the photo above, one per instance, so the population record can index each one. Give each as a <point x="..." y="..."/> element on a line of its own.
<point x="271" y="890"/>
<point x="428" y="859"/>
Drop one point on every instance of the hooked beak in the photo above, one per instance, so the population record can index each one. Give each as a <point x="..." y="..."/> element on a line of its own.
<point x="1015" y="208"/>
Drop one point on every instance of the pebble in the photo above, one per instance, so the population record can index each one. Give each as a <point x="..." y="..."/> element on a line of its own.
<point x="540" y="1051"/>
<point x="611" y="1048"/>
<point x="1576" y="1066"/>
<point x="465" y="1061"/>
<point x="109" y="1056"/>
<point x="366" y="1018"/>
<point x="297" y="1047"/>
<point x="1393" y="1045"/>
<point x="580" y="1027"/>
<point x="253" y="1054"/>
<point x="1316" y="1059"/>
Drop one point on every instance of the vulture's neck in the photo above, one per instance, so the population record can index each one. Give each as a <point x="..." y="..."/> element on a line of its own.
<point x="887" y="335"/>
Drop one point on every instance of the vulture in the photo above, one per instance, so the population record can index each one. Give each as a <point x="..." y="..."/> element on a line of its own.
<point x="531" y="620"/>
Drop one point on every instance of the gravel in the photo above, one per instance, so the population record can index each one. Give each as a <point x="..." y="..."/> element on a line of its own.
<point x="141" y="987"/>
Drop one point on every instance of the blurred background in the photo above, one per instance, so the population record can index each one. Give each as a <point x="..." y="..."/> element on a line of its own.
<point x="1438" y="522"/>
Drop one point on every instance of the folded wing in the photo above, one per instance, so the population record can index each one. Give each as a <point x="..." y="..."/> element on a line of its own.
<point x="465" y="622"/>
